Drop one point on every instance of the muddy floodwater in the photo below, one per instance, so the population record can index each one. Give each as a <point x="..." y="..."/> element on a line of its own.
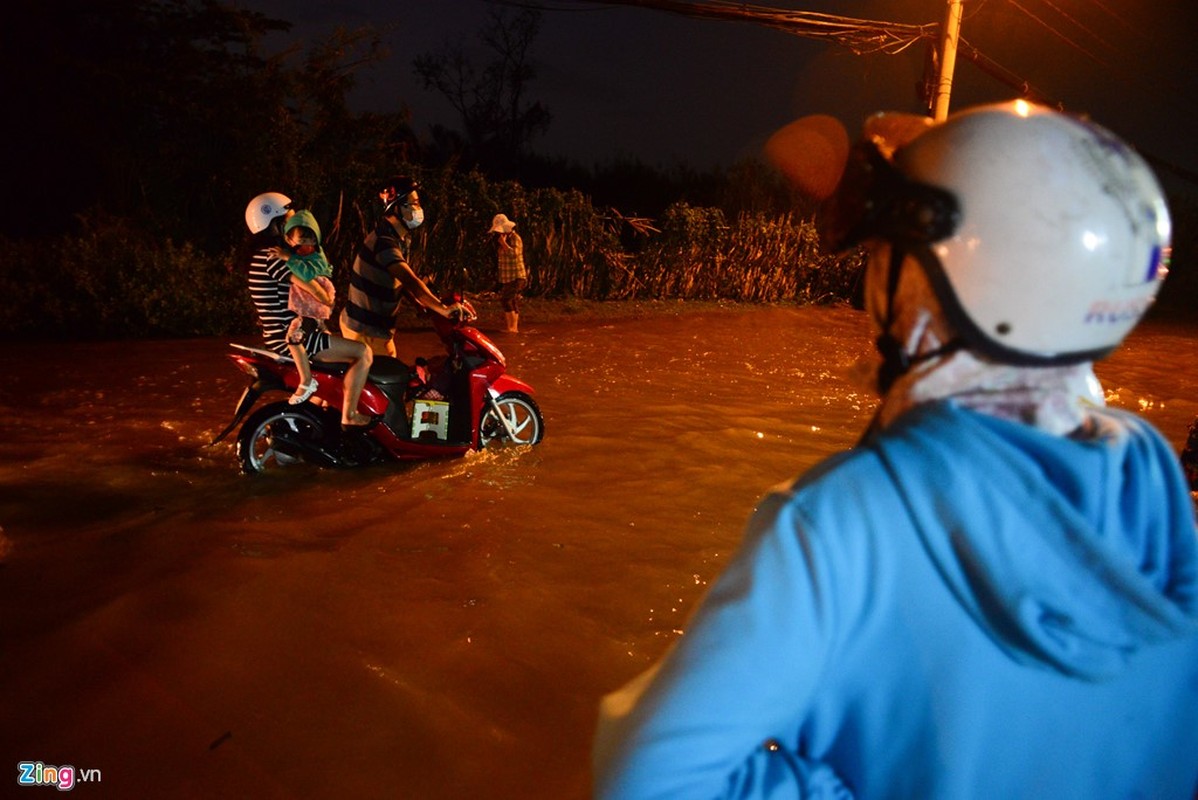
<point x="171" y="628"/>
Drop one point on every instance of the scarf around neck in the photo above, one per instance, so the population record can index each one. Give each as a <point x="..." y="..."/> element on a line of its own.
<point x="1054" y="399"/>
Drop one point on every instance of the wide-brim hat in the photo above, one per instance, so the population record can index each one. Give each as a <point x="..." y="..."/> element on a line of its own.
<point x="501" y="224"/>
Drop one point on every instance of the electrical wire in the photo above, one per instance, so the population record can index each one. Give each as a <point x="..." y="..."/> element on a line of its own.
<point x="859" y="35"/>
<point x="871" y="36"/>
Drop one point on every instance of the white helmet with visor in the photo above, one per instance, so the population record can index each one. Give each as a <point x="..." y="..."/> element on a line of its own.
<point x="1044" y="236"/>
<point x="264" y="208"/>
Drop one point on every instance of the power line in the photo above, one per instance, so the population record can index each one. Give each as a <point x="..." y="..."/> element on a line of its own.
<point x="1087" y="29"/>
<point x="871" y="36"/>
<point x="859" y="35"/>
<point x="1118" y="17"/>
<point x="1005" y="76"/>
<point x="1155" y="86"/>
<point x="1059" y="35"/>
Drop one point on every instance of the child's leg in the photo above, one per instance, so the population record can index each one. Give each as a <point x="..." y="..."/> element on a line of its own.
<point x="300" y="356"/>
<point x="295" y="339"/>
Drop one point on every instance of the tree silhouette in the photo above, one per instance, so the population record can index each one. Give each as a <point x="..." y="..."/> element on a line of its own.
<point x="497" y="119"/>
<point x="167" y="112"/>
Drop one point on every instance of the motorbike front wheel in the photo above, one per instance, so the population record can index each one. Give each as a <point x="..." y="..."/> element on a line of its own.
<point x="277" y="435"/>
<point x="522" y="416"/>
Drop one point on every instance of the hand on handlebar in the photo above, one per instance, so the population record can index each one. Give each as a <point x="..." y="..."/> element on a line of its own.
<point x="458" y="312"/>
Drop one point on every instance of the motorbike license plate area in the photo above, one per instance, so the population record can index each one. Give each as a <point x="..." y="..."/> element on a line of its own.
<point x="430" y="420"/>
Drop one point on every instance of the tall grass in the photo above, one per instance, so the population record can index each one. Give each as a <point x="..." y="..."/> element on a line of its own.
<point x="112" y="280"/>
<point x="756" y="257"/>
<point x="575" y="249"/>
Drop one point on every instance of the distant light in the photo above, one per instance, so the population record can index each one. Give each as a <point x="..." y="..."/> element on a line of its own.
<point x="1091" y="240"/>
<point x="760" y="435"/>
<point x="1160" y="266"/>
<point x="1023" y="108"/>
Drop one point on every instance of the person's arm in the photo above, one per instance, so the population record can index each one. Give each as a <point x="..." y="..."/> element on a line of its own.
<point x="276" y="266"/>
<point x="419" y="291"/>
<point x="745" y="671"/>
<point x="314" y="288"/>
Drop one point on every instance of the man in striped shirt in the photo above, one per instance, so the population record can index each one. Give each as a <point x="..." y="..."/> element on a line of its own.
<point x="381" y="269"/>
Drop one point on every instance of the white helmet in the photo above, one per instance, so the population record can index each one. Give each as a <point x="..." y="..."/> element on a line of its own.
<point x="263" y="209"/>
<point x="1045" y="237"/>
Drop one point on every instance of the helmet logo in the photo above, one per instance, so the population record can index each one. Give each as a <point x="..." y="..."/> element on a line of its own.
<point x="1158" y="265"/>
<point x="1106" y="312"/>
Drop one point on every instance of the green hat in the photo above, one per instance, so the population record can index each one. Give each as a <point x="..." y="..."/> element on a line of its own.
<point x="303" y="219"/>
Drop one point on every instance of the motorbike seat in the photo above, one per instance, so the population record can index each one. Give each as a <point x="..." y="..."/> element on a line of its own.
<point x="387" y="370"/>
<point x="384" y="371"/>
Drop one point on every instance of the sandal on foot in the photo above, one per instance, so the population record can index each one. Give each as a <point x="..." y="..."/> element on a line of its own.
<point x="303" y="392"/>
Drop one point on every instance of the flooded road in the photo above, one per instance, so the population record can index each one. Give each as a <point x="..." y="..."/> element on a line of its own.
<point x="439" y="630"/>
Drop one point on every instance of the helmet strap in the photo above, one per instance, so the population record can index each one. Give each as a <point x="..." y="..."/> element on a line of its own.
<point x="896" y="362"/>
<point x="973" y="336"/>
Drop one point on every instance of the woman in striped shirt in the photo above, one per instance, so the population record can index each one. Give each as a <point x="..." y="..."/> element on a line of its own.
<point x="269" y="282"/>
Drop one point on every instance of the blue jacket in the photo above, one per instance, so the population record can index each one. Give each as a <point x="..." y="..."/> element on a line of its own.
<point x="963" y="607"/>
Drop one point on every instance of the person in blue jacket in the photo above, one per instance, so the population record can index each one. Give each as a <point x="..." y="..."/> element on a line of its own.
<point x="995" y="593"/>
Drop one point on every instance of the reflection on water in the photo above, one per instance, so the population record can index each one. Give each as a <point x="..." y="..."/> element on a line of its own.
<point x="427" y="630"/>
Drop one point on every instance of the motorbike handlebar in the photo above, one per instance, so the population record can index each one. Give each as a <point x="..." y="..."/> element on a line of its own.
<point x="463" y="313"/>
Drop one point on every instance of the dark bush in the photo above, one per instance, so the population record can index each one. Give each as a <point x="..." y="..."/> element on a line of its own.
<point x="112" y="279"/>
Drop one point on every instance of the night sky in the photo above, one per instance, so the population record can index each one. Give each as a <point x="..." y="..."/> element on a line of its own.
<point x="666" y="88"/>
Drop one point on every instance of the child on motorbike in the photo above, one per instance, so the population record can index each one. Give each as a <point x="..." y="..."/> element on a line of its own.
<point x="312" y="293"/>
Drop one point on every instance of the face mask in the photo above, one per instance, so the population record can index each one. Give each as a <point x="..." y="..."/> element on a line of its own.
<point x="417" y="218"/>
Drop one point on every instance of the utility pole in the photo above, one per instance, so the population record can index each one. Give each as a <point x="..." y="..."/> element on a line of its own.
<point x="950" y="33"/>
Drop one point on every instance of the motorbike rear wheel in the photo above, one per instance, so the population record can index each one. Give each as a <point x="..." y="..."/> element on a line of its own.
<point x="277" y="435"/>
<point x="521" y="414"/>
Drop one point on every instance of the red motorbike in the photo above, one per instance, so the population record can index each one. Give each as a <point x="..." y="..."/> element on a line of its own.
<point x="443" y="406"/>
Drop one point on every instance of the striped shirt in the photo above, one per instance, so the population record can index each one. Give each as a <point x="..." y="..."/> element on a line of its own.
<point x="270" y="285"/>
<point x="374" y="293"/>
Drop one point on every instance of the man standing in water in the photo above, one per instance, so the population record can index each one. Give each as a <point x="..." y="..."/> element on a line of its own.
<point x="995" y="594"/>
<point x="381" y="269"/>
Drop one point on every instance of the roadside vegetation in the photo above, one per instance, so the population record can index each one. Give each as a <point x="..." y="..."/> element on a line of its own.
<point x="130" y="225"/>
<point x="111" y="278"/>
